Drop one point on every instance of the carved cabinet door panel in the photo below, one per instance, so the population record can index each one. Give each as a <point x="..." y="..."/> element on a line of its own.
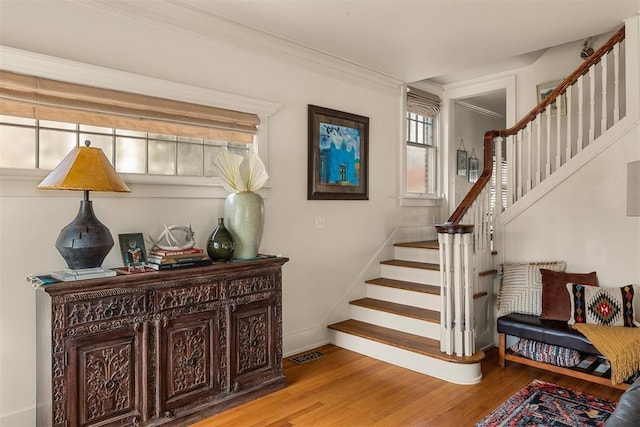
<point x="189" y="361"/>
<point x="252" y="343"/>
<point x="104" y="377"/>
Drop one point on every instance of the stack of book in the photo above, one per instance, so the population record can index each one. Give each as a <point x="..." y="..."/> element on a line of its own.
<point x="160" y="259"/>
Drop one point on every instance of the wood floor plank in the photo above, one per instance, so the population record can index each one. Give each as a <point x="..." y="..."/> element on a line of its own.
<point x="348" y="389"/>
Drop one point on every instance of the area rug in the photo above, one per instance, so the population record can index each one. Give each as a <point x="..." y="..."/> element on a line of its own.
<point x="546" y="404"/>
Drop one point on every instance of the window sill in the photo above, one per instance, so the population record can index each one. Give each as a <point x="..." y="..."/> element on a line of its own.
<point x="420" y="201"/>
<point x="18" y="183"/>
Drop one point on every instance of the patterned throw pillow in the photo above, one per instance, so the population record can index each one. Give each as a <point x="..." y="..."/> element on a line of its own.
<point x="521" y="287"/>
<point x="602" y="306"/>
<point x="547" y="353"/>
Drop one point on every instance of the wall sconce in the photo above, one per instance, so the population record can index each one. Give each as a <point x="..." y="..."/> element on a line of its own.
<point x="633" y="188"/>
<point x="587" y="50"/>
<point x="85" y="242"/>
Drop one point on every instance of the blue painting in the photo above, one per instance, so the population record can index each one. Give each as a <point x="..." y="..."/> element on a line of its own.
<point x="339" y="161"/>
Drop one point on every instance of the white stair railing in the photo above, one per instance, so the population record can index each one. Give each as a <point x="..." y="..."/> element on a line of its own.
<point x="580" y="109"/>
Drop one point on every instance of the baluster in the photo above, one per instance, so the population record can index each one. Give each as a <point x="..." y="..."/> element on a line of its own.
<point x="520" y="167"/>
<point x="592" y="104"/>
<point x="498" y="172"/>
<point x="558" y="136"/>
<point x="512" y="168"/>
<point x="529" y="154"/>
<point x="603" y="119"/>
<point x="616" y="83"/>
<point x="580" y="142"/>
<point x="547" y="154"/>
<point x="538" y="150"/>
<point x="568" y="155"/>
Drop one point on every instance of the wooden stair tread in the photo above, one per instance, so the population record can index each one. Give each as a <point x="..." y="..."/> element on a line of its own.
<point x="412" y="264"/>
<point x="399" y="309"/>
<point x="409" y="286"/>
<point x="403" y="340"/>
<point x="424" y="244"/>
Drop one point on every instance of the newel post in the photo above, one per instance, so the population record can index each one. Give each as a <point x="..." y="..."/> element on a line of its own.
<point x="456" y="308"/>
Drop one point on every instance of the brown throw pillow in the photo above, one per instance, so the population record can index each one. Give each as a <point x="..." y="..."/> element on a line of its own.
<point x="556" y="304"/>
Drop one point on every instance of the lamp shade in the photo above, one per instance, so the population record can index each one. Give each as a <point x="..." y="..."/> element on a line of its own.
<point x="633" y="188"/>
<point x="84" y="168"/>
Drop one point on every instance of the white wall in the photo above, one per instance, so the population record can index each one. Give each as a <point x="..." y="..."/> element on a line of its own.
<point x="583" y="221"/>
<point x="325" y="264"/>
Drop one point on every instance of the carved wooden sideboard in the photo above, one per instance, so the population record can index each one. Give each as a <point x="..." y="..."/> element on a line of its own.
<point x="159" y="348"/>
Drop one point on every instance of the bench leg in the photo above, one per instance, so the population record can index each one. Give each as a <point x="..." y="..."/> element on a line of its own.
<point x="501" y="349"/>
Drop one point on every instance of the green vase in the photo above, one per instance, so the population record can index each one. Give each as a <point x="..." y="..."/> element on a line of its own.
<point x="244" y="213"/>
<point x="220" y="245"/>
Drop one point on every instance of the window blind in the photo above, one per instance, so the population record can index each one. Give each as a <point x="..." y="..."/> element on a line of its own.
<point x="423" y="103"/>
<point x="44" y="99"/>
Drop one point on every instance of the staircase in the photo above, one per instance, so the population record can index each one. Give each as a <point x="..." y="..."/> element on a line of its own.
<point x="399" y="319"/>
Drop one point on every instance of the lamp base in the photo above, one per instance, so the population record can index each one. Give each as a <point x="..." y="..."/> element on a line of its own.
<point x="85" y="242"/>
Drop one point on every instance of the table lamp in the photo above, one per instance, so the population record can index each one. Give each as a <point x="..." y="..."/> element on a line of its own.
<point x="85" y="242"/>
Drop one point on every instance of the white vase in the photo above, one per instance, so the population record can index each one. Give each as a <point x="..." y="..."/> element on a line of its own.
<point x="244" y="218"/>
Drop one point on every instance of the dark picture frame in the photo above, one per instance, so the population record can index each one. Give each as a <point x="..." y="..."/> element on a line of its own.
<point x="338" y="155"/>
<point x="461" y="162"/>
<point x="134" y="254"/>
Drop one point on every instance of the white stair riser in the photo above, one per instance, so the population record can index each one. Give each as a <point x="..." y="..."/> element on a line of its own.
<point x="403" y="296"/>
<point x="452" y="372"/>
<point x="394" y="321"/>
<point x="417" y="254"/>
<point x="409" y="274"/>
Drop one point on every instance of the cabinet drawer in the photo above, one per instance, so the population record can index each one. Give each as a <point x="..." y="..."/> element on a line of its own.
<point x="183" y="296"/>
<point x="88" y="308"/>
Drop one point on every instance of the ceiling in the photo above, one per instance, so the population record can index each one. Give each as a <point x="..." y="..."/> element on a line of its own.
<point x="412" y="40"/>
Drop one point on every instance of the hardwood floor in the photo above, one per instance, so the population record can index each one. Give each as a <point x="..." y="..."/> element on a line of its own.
<point x="347" y="389"/>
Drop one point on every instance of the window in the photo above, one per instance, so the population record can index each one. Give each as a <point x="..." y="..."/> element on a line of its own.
<point x="421" y="143"/>
<point x="42" y="144"/>
<point x="42" y="120"/>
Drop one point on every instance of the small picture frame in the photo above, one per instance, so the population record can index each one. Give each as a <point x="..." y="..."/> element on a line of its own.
<point x="474" y="165"/>
<point x="545" y="89"/>
<point x="134" y="254"/>
<point x="461" y="162"/>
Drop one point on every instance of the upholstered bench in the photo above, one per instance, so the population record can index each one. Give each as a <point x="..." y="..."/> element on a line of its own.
<point x="553" y="332"/>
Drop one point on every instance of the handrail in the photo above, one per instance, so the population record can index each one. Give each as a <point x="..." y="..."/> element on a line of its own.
<point x="489" y="136"/>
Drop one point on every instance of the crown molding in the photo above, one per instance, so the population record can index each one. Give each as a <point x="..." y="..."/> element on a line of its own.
<point x="480" y="110"/>
<point x="189" y="19"/>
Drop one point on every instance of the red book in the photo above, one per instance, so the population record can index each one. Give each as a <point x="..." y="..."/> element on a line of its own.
<point x="163" y="252"/>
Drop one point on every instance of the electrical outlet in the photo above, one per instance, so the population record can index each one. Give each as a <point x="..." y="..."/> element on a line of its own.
<point x="320" y="223"/>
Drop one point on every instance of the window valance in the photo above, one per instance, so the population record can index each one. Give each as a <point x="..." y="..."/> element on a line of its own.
<point x="44" y="99"/>
<point x="423" y="103"/>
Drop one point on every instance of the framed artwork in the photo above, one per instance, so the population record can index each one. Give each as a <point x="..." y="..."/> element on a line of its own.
<point x="134" y="254"/>
<point x="461" y="162"/>
<point x="474" y="164"/>
<point x="544" y="89"/>
<point x="338" y="155"/>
